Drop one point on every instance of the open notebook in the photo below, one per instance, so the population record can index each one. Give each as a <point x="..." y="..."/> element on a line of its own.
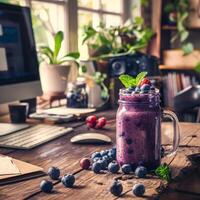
<point x="13" y="170"/>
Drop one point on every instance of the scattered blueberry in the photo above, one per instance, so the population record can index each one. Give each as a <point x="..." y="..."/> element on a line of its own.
<point x="112" y="153"/>
<point x="104" y="153"/>
<point x="116" y="188"/>
<point x="103" y="163"/>
<point x="54" y="173"/>
<point x="138" y="190"/>
<point x="113" y="167"/>
<point x="68" y="180"/>
<point x="141" y="171"/>
<point x="96" y="159"/>
<point x="96" y="167"/>
<point x="96" y="155"/>
<point x="46" y="186"/>
<point x="126" y="168"/>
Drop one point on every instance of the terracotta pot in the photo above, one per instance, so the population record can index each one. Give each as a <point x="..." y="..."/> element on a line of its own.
<point x="54" y="79"/>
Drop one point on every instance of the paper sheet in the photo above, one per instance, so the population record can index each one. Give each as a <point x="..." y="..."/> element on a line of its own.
<point x="7" y="166"/>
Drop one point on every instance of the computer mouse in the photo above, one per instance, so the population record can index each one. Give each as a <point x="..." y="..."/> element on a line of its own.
<point x="91" y="138"/>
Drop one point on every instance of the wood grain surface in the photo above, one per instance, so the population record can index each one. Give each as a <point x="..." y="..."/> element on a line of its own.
<point x="61" y="153"/>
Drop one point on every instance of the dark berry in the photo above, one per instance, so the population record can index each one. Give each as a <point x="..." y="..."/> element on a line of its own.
<point x="96" y="167"/>
<point x="113" y="167"/>
<point x="129" y="141"/>
<point x="126" y="168"/>
<point x="112" y="153"/>
<point x="85" y="163"/>
<point x="68" y="180"/>
<point x="104" y="153"/>
<point x="116" y="188"/>
<point x="138" y="190"/>
<point x="96" y="155"/>
<point x="103" y="163"/>
<point x="46" y="186"/>
<point x="145" y="87"/>
<point x="54" y="173"/>
<point x="141" y="172"/>
<point x="130" y="151"/>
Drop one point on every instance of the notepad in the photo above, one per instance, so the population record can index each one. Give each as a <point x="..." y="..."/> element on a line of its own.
<point x="8" y="167"/>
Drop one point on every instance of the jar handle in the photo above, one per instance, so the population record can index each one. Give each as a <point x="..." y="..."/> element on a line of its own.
<point x="172" y="116"/>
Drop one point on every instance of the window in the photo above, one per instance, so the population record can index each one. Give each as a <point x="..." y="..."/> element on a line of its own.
<point x="96" y="11"/>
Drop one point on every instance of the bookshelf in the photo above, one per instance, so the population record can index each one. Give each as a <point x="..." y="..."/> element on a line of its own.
<point x="174" y="78"/>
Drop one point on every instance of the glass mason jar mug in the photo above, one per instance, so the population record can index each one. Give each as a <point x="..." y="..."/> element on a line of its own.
<point x="138" y="129"/>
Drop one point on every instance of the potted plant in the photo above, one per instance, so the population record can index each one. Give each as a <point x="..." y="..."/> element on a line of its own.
<point x="186" y="56"/>
<point x="54" y="69"/>
<point x="131" y="37"/>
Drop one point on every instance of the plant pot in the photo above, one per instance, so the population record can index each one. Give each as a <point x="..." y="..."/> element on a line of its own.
<point x="54" y="79"/>
<point x="175" y="58"/>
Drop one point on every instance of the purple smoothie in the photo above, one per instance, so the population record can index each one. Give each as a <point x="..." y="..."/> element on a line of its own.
<point x="138" y="129"/>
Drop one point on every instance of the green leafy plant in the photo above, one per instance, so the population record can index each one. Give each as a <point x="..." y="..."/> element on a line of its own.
<point x="129" y="81"/>
<point x="164" y="172"/>
<point x="117" y="39"/>
<point x="52" y="55"/>
<point x="99" y="78"/>
<point x="181" y="7"/>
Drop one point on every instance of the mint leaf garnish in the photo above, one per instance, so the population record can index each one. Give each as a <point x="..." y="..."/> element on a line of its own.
<point x="140" y="76"/>
<point x="129" y="81"/>
<point x="163" y="171"/>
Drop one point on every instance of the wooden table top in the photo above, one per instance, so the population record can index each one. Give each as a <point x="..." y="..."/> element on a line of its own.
<point x="61" y="153"/>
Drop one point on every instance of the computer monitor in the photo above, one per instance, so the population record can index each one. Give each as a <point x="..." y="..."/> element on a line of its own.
<point x="19" y="70"/>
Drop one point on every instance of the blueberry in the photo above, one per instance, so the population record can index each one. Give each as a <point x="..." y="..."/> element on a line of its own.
<point x="96" y="155"/>
<point x="138" y="190"/>
<point x="152" y="88"/>
<point x="68" y="180"/>
<point x="104" y="153"/>
<point x="141" y="172"/>
<point x="103" y="163"/>
<point x="112" y="153"/>
<point x="126" y="168"/>
<point x="137" y="90"/>
<point x="129" y="140"/>
<point x="96" y="159"/>
<point x="116" y="188"/>
<point x="46" y="186"/>
<point x="130" y="90"/>
<point x="145" y="87"/>
<point x="113" y="167"/>
<point x="96" y="167"/>
<point x="54" y="173"/>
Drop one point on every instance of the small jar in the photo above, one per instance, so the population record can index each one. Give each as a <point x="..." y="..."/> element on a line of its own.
<point x="77" y="96"/>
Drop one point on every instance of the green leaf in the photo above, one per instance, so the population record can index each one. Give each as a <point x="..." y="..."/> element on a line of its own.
<point x="139" y="77"/>
<point x="58" y="41"/>
<point x="197" y="67"/>
<point x="48" y="53"/>
<point x="164" y="172"/>
<point x="187" y="48"/>
<point x="127" y="81"/>
<point x="184" y="35"/>
<point x="74" y="55"/>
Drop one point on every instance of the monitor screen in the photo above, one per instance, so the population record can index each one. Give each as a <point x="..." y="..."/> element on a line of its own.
<point x="18" y="58"/>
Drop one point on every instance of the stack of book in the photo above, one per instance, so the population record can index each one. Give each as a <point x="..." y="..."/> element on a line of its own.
<point x="174" y="83"/>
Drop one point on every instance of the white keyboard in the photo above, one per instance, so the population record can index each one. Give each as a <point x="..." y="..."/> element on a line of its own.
<point x="33" y="136"/>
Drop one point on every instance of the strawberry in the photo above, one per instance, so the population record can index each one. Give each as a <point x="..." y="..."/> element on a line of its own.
<point x="145" y="81"/>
